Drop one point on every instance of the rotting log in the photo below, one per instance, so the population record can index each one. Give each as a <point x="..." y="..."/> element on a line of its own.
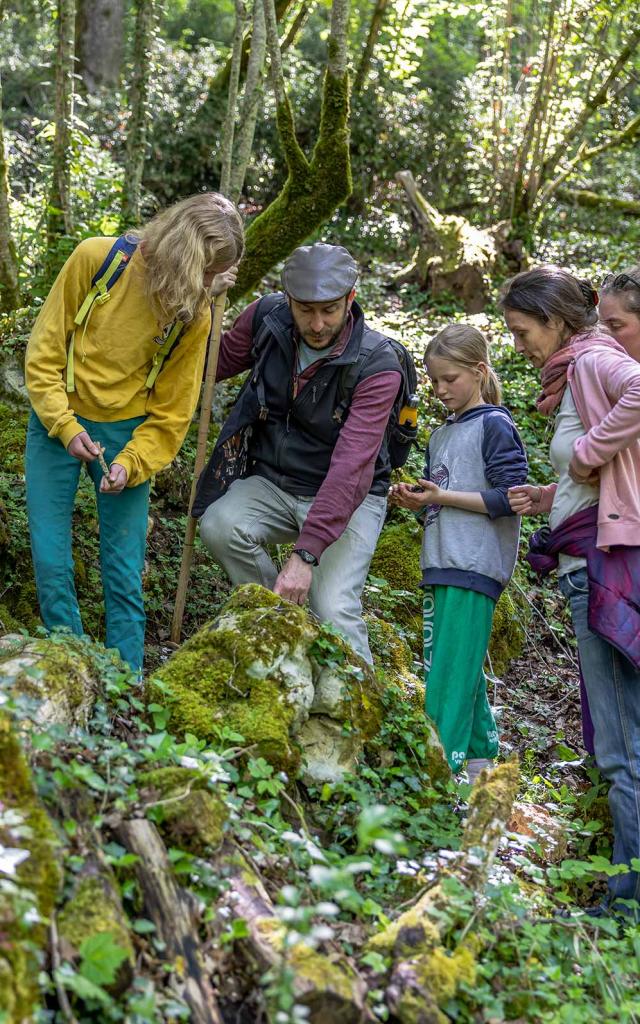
<point x="173" y="913"/>
<point x="327" y="986"/>
<point x="425" y="974"/>
<point x="453" y="255"/>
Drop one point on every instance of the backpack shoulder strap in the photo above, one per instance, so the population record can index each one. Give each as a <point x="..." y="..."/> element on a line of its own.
<point x="350" y="375"/>
<point x="102" y="281"/>
<point x="261" y="333"/>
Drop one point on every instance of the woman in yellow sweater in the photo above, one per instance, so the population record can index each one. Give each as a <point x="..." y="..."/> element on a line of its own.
<point x="123" y="374"/>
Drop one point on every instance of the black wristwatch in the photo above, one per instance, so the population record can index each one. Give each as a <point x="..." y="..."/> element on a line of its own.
<point x="306" y="556"/>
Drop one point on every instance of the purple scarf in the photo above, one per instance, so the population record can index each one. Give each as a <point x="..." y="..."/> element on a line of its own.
<point x="614" y="578"/>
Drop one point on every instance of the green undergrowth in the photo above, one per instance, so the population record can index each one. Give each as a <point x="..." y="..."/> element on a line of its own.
<point x="339" y="860"/>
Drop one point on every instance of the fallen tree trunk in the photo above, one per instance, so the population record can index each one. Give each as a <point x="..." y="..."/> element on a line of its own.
<point x="425" y="974"/>
<point x="173" y="913"/>
<point x="453" y="255"/>
<point x="585" y="197"/>
<point x="328" y="987"/>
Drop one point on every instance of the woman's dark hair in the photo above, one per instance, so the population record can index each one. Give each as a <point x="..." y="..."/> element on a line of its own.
<point x="626" y="286"/>
<point x="550" y="291"/>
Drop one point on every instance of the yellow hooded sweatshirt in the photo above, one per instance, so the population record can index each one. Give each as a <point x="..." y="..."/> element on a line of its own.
<point x="114" y="353"/>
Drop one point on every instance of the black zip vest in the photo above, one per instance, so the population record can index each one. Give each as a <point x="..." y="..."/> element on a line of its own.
<point x="292" y="439"/>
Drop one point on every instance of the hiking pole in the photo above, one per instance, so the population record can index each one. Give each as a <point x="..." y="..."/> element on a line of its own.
<point x="201" y="450"/>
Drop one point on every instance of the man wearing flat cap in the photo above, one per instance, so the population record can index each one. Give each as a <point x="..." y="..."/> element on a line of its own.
<point x="302" y="457"/>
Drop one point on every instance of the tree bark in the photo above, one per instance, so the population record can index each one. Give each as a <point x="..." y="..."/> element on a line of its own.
<point x="59" y="219"/>
<point x="250" y="102"/>
<point x="9" y="287"/>
<point x="315" y="187"/>
<point x="172" y="912"/>
<point x="99" y="36"/>
<point x="139" y="92"/>
<point x="585" y="197"/>
<point x="375" y="25"/>
<point x="228" y="131"/>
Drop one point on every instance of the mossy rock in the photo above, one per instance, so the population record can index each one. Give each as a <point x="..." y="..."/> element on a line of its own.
<point x="95" y="909"/>
<point x="25" y="825"/>
<point x="390" y="650"/>
<point x="186" y="812"/>
<point x="13" y="434"/>
<point x="260" y="670"/>
<point x="397" y="560"/>
<point x="509" y="630"/>
<point x="59" y="671"/>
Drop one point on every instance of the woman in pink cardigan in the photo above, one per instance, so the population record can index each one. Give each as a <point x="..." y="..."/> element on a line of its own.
<point x="592" y="387"/>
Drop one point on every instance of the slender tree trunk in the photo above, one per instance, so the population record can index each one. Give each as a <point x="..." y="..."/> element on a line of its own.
<point x="375" y="25"/>
<point x="99" y="35"/>
<point x="9" y="289"/>
<point x="315" y="187"/>
<point x="59" y="218"/>
<point x="139" y="92"/>
<point x="250" y="102"/>
<point x="228" y="130"/>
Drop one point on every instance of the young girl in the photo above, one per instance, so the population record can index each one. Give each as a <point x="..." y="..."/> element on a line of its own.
<point x="470" y="540"/>
<point x="103" y="384"/>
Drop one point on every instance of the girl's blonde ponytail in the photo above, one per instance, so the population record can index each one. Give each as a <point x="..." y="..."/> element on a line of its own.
<point x="491" y="389"/>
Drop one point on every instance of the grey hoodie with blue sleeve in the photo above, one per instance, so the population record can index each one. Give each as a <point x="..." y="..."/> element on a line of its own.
<point x="482" y="451"/>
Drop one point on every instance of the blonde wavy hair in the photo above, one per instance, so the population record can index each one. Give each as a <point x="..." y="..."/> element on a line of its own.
<point x="180" y="244"/>
<point x="467" y="346"/>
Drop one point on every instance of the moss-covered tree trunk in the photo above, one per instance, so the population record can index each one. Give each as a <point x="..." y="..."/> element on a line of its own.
<point x="59" y="219"/>
<point x="9" y="289"/>
<point x="139" y="92"/>
<point x="315" y="187"/>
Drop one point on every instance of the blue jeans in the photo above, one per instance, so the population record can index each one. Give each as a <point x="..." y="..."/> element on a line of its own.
<point x="613" y="688"/>
<point x="52" y="477"/>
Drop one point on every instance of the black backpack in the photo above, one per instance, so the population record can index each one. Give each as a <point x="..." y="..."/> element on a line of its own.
<point x="401" y="429"/>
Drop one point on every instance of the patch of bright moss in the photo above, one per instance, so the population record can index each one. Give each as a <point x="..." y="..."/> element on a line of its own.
<point x="13" y="433"/>
<point x="190" y="815"/>
<point x="219" y="677"/>
<point x="94" y="909"/>
<point x="509" y="629"/>
<point x="39" y="876"/>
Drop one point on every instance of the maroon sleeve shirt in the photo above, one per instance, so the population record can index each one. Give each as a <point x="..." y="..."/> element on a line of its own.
<point x="350" y="474"/>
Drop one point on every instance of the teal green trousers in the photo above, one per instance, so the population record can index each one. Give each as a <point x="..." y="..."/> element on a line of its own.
<point x="52" y="481"/>
<point x="457" y="627"/>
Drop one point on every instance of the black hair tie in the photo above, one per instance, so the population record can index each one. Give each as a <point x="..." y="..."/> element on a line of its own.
<point x="590" y="294"/>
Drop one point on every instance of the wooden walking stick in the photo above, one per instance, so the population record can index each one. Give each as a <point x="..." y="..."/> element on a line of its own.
<point x="201" y="451"/>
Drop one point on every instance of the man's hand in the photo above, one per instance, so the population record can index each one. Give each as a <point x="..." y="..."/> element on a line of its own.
<point x="82" y="447"/>
<point x="223" y="282"/>
<point x="116" y="481"/>
<point x="415" y="496"/>
<point x="294" y="580"/>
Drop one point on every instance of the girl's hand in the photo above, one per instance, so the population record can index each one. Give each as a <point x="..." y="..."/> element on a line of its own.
<point x="223" y="282"/>
<point x="525" y="500"/>
<point x="414" y="496"/>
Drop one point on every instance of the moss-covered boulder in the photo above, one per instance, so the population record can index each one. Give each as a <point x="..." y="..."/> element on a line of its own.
<point x="95" y="909"/>
<point x="13" y="433"/>
<point x="509" y="630"/>
<point x="27" y="840"/>
<point x="264" y="668"/>
<point x="188" y="814"/>
<point x="60" y="672"/>
<point x="397" y="561"/>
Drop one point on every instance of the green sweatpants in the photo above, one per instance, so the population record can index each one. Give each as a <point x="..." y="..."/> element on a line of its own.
<point x="457" y="627"/>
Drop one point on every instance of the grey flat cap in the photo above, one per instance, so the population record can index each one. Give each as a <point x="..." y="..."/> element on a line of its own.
<point x="319" y="273"/>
